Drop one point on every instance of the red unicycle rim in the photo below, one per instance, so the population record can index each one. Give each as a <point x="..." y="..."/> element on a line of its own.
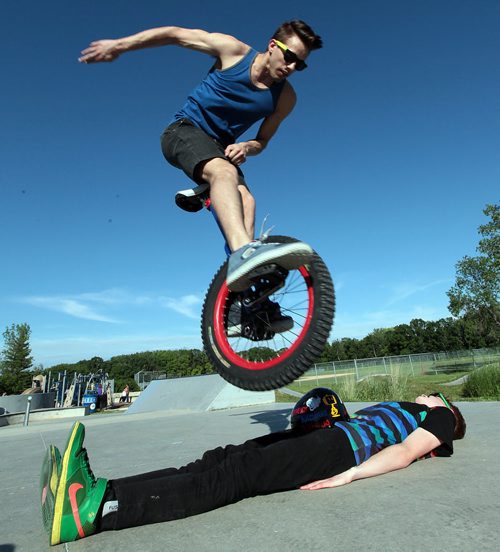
<point x="235" y="357"/>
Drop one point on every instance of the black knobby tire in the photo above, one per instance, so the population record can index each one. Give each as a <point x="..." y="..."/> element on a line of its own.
<point x="308" y="297"/>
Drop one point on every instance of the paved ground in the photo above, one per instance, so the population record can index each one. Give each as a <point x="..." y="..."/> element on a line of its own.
<point x="439" y="504"/>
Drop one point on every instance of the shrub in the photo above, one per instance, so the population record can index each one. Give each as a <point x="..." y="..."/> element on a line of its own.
<point x="484" y="383"/>
<point x="375" y="388"/>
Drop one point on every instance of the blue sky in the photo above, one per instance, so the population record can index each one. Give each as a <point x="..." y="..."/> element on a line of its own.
<point x="384" y="166"/>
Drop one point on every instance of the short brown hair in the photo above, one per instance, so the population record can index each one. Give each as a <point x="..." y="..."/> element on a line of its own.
<point x="460" y="425"/>
<point x="311" y="40"/>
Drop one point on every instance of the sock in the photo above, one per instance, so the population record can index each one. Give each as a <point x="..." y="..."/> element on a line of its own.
<point x="109" y="510"/>
<point x="109" y="507"/>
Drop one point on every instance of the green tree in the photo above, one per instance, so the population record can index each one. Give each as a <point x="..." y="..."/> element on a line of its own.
<point x="400" y="340"/>
<point x="17" y="359"/>
<point x="259" y="354"/>
<point x="96" y="364"/>
<point x="377" y="342"/>
<point x="476" y="292"/>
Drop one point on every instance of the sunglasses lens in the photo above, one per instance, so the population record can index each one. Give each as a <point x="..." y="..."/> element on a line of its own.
<point x="290" y="57"/>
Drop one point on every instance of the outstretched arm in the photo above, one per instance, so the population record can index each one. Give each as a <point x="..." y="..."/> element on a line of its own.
<point x="419" y="443"/>
<point x="219" y="45"/>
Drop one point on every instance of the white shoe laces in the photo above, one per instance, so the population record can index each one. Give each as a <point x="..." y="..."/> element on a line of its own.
<point x="264" y="234"/>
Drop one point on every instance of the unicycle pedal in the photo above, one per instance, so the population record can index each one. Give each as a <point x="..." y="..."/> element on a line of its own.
<point x="264" y="281"/>
<point x="270" y="272"/>
<point x="192" y="200"/>
<point x="262" y="271"/>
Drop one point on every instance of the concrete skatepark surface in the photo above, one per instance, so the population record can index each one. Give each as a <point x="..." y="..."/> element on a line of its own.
<point x="439" y="504"/>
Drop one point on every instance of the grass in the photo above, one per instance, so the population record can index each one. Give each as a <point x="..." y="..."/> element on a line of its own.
<point x="482" y="383"/>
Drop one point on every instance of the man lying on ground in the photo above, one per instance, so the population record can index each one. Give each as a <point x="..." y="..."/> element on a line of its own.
<point x="376" y="440"/>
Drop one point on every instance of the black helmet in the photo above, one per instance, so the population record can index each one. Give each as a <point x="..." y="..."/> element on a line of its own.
<point x="320" y="407"/>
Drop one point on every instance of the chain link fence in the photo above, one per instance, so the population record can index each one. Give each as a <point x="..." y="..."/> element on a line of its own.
<point x="144" y="378"/>
<point x="404" y="365"/>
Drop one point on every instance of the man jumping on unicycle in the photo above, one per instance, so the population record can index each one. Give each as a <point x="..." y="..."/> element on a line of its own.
<point x="242" y="87"/>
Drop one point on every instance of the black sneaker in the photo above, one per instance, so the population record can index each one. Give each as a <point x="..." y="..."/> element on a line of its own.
<point x="257" y="323"/>
<point x="277" y="322"/>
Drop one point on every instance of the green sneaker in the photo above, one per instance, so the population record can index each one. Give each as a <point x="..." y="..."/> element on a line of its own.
<point x="49" y="478"/>
<point x="79" y="494"/>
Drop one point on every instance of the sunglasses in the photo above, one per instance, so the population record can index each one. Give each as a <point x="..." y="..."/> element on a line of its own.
<point x="441" y="396"/>
<point x="291" y="57"/>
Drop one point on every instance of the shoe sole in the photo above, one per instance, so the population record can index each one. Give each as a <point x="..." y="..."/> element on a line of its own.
<point x="289" y="259"/>
<point x="55" y="533"/>
<point x="281" y="326"/>
<point x="49" y="480"/>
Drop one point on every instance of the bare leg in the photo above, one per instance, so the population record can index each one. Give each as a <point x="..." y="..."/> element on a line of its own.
<point x="228" y="201"/>
<point x="248" y="208"/>
<point x="235" y="209"/>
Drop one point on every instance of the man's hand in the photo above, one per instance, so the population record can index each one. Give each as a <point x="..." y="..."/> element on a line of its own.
<point x="100" y="50"/>
<point x="336" y="481"/>
<point x="236" y="153"/>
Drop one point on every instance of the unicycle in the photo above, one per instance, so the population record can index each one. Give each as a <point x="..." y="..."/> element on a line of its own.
<point x="240" y="334"/>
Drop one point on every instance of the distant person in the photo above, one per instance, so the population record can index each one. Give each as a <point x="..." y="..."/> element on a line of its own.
<point x="243" y="86"/>
<point x="378" y="439"/>
<point x="124" y="398"/>
<point x="102" y="397"/>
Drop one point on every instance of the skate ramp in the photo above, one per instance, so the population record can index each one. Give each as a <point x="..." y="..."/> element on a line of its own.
<point x="196" y="394"/>
<point x="18" y="403"/>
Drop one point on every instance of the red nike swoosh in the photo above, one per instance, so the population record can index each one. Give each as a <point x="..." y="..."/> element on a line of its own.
<point x="73" y="489"/>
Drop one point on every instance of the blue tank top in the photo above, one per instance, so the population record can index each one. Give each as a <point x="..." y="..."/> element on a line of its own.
<point x="226" y="103"/>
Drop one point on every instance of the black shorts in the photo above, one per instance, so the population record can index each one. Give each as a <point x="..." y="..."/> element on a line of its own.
<point x="185" y="146"/>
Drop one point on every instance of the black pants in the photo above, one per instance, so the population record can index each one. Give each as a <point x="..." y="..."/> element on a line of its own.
<point x="276" y="462"/>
